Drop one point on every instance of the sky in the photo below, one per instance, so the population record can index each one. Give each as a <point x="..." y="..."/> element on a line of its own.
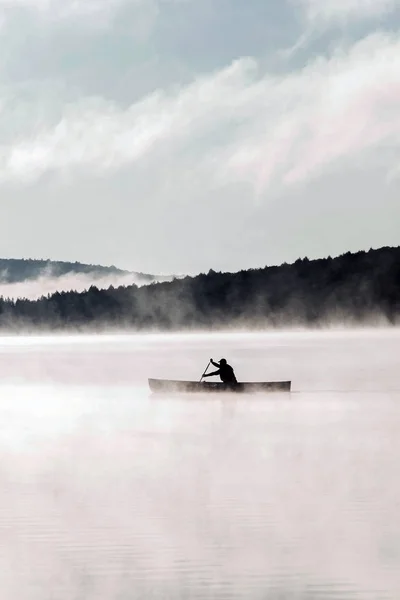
<point x="178" y="136"/>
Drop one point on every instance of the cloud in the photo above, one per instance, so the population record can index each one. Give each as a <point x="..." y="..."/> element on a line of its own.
<point x="129" y="130"/>
<point x="324" y="11"/>
<point x="54" y="10"/>
<point x="83" y="9"/>
<point x="238" y="123"/>
<point x="64" y="8"/>
<point x="26" y="22"/>
<point x="98" y="134"/>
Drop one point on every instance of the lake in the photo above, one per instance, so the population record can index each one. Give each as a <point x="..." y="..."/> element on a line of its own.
<point x="108" y="492"/>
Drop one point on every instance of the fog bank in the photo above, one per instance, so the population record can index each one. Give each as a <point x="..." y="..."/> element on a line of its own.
<point x="47" y="284"/>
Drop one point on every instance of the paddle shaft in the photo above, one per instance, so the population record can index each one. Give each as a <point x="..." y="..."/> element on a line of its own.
<point x="209" y="362"/>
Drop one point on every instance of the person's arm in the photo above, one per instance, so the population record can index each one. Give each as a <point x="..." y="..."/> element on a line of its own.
<point x="211" y="374"/>
<point x="214" y="363"/>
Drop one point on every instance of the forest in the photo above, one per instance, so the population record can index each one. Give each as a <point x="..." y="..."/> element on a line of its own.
<point x="354" y="288"/>
<point x="15" y="270"/>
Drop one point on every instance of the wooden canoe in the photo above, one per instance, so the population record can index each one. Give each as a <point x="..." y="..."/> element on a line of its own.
<point x="170" y="386"/>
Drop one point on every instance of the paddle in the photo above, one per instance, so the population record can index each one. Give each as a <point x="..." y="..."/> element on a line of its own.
<point x="209" y="362"/>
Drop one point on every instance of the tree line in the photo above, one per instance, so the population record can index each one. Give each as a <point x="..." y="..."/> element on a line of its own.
<point x="14" y="270"/>
<point x="357" y="288"/>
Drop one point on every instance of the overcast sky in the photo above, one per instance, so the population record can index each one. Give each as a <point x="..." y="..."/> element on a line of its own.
<point x="172" y="136"/>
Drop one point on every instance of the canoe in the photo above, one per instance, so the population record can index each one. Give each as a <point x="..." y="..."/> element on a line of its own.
<point x="248" y="387"/>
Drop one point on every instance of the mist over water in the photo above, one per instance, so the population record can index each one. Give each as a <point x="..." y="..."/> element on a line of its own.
<point x="109" y="492"/>
<point x="46" y="283"/>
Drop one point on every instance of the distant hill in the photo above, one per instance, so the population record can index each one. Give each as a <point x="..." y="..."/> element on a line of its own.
<point x="32" y="279"/>
<point x="16" y="270"/>
<point x="358" y="288"/>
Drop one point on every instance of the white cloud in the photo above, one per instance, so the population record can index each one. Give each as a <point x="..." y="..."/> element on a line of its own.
<point x="341" y="10"/>
<point x="97" y="134"/>
<point x="244" y="125"/>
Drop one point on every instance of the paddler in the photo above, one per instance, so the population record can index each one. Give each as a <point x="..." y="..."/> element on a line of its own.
<point x="225" y="371"/>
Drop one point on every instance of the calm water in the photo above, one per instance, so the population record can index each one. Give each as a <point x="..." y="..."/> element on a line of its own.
<point x="107" y="492"/>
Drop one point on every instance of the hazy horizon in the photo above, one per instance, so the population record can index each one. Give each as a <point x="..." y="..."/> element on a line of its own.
<point x="48" y="283"/>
